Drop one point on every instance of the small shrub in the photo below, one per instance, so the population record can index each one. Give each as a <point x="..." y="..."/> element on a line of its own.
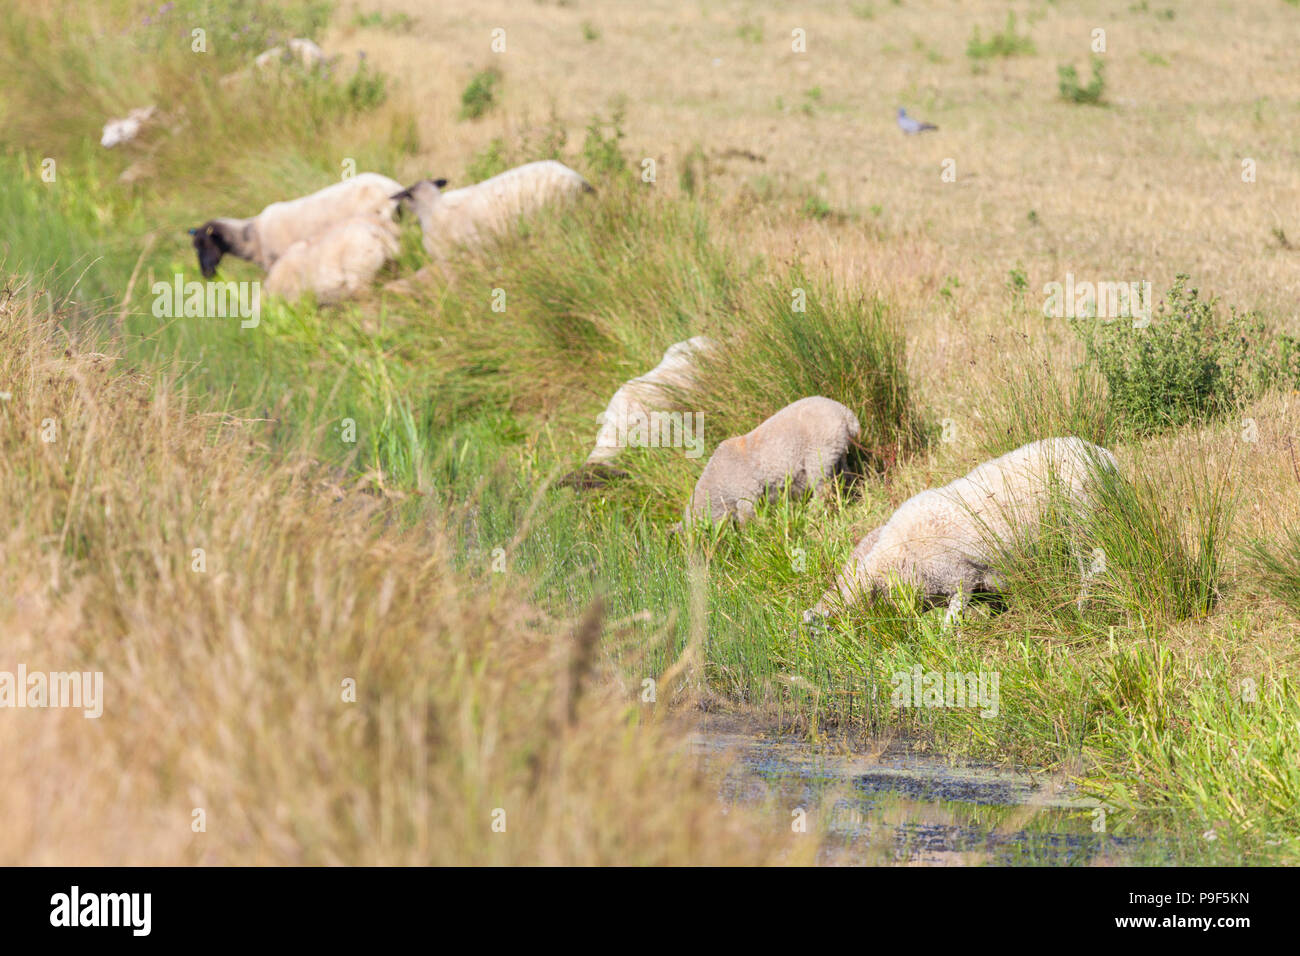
<point x="366" y="90"/>
<point x="694" y="171"/>
<point x="589" y="32"/>
<point x="480" y="95"/>
<point x="1070" y="89"/>
<point x="1004" y="44"/>
<point x="1017" y="280"/>
<point x="815" y="207"/>
<point x="1187" y="365"/>
<point x="602" y="153"/>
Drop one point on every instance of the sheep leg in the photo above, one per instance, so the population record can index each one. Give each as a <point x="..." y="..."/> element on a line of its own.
<point x="956" y="605"/>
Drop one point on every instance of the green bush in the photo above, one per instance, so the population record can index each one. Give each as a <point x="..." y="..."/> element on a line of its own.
<point x="602" y="154"/>
<point x="1006" y="43"/>
<point x="480" y="95"/>
<point x="1068" y="78"/>
<point x="1189" y="364"/>
<point x="365" y="89"/>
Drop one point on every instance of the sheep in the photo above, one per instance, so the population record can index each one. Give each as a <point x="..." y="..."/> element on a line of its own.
<point x="338" y="263"/>
<point x="119" y="131"/>
<point x="803" y="444"/>
<point x="631" y="408"/>
<point x="265" y="237"/>
<point x="471" y="214"/>
<point x="942" y="541"/>
<point x="304" y="51"/>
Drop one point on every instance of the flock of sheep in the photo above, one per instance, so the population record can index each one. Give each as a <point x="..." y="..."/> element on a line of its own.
<point x="942" y="542"/>
<point x="332" y="243"/>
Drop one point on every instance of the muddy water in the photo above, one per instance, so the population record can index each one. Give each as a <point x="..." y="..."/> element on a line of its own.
<point x="895" y="807"/>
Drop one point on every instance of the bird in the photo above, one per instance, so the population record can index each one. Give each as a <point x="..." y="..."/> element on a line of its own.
<point x="911" y="126"/>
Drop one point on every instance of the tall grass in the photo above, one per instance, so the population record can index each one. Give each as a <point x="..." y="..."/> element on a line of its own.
<point x="1278" y="566"/>
<point x="321" y="689"/>
<point x="1032" y="396"/>
<point x="1126" y="556"/>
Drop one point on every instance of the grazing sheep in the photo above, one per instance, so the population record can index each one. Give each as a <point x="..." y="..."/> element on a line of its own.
<point x="804" y="444"/>
<point x="471" y="214"/>
<point x="265" y="237"/>
<point x="119" y="131"/>
<point x="337" y="264"/>
<point x="304" y="51"/>
<point x="941" y="540"/>
<point x="633" y="403"/>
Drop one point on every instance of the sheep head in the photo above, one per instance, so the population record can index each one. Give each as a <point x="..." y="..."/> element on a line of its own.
<point x="420" y="195"/>
<point x="211" y="243"/>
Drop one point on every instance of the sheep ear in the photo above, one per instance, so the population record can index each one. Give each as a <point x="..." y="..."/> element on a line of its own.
<point x="440" y="183"/>
<point x="398" y="197"/>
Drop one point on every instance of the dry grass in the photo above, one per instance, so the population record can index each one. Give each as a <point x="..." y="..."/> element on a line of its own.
<point x="224" y="688"/>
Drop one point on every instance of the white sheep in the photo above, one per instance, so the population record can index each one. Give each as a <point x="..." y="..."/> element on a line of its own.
<point x="802" y="445"/>
<point x="304" y="51"/>
<point x="467" y="216"/>
<point x="943" y="540"/>
<point x="266" y="236"/>
<point x="337" y="264"/>
<point x="631" y="408"/>
<point x="637" y="397"/>
<point x="119" y="131"/>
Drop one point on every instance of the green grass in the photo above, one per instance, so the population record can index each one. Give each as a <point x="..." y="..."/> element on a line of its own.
<point x="1001" y="44"/>
<point x="1278" y="565"/>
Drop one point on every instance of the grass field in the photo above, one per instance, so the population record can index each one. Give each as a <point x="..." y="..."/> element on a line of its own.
<point x="500" y="630"/>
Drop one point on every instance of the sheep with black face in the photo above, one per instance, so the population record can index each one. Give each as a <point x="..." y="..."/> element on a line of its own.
<point x="265" y="237"/>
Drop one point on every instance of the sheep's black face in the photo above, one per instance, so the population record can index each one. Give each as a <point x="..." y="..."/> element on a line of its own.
<point x="211" y="245"/>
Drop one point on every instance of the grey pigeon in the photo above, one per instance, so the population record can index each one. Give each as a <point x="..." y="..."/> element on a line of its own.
<point x="910" y="126"/>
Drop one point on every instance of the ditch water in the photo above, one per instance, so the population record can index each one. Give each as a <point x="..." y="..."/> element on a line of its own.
<point x="897" y="807"/>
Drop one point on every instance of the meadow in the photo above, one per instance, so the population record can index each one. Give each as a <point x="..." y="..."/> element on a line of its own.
<point x="233" y="523"/>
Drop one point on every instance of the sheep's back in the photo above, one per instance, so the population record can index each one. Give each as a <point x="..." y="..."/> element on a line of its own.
<point x="640" y="394"/>
<point x="338" y="263"/>
<point x="463" y="215"/>
<point x="281" y="224"/>
<point x="805" y="441"/>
